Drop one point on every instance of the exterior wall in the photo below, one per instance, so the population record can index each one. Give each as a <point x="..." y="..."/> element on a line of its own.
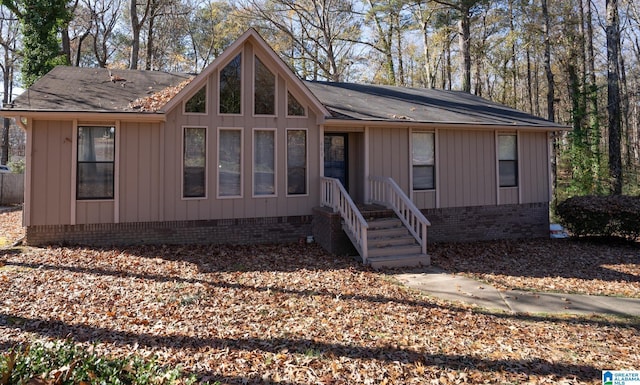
<point x="481" y="223"/>
<point x="227" y="231"/>
<point x="534" y="167"/>
<point x="49" y="173"/>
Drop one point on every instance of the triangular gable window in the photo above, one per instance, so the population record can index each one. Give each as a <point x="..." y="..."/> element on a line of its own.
<point x="264" y="90"/>
<point x="198" y="102"/>
<point x="294" y="108"/>
<point x="231" y="87"/>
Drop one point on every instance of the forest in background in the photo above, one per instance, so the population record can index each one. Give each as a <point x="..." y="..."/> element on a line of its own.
<point x="576" y="62"/>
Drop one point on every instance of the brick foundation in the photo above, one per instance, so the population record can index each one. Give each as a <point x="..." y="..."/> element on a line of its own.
<point x="221" y="231"/>
<point x="328" y="233"/>
<point x="462" y="224"/>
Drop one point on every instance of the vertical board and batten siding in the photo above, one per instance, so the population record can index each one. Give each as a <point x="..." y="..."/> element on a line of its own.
<point x="466" y="167"/>
<point x="141" y="172"/>
<point x="388" y="155"/>
<point x="534" y="167"/>
<point x="50" y="178"/>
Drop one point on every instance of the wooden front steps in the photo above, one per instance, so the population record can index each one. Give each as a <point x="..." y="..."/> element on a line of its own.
<point x="391" y="245"/>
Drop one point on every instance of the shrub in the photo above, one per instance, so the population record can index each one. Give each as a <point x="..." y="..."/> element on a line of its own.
<point x="66" y="363"/>
<point x="605" y="216"/>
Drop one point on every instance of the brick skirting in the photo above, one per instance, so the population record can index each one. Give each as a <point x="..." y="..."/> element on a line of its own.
<point x="483" y="223"/>
<point x="221" y="231"/>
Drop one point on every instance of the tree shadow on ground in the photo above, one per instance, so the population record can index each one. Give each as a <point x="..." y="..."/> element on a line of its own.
<point x="85" y="333"/>
<point x="585" y="259"/>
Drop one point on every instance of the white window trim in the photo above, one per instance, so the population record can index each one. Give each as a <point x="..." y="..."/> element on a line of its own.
<point x="286" y="156"/>
<point x="286" y="104"/>
<point x="435" y="159"/>
<point x="275" y="163"/>
<point x="218" y="196"/>
<point x="206" y="164"/>
<point x="206" y="102"/>
<point x="242" y="83"/>
<point x="497" y="140"/>
<point x="275" y="91"/>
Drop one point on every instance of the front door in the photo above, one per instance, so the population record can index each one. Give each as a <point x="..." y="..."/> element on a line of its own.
<point x="335" y="158"/>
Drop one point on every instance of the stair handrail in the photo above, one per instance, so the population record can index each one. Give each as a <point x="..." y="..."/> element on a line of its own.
<point x="385" y="191"/>
<point x="335" y="196"/>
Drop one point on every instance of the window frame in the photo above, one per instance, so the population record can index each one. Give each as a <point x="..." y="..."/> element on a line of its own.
<point x="297" y="99"/>
<point x="206" y="163"/>
<point x="516" y="161"/>
<point x="413" y="165"/>
<point x="205" y="86"/>
<point x="77" y="161"/>
<point x="241" y="165"/>
<point x="242" y="82"/>
<point x="306" y="159"/>
<point x="275" y="163"/>
<point x="256" y="58"/>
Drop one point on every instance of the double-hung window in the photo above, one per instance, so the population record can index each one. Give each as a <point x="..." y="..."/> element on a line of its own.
<point x="423" y="160"/>
<point x="508" y="159"/>
<point x="230" y="162"/>
<point x="264" y="162"/>
<point x="95" y="162"/>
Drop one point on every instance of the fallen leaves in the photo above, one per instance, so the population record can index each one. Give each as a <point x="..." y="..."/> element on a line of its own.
<point x="288" y="313"/>
<point x="567" y="266"/>
<point x="157" y="100"/>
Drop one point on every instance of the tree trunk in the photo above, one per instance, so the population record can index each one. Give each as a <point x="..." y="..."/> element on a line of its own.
<point x="547" y="63"/>
<point x="613" y="96"/>
<point x="465" y="49"/>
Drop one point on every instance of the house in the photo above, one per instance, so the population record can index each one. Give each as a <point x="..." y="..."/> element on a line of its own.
<point x="246" y="152"/>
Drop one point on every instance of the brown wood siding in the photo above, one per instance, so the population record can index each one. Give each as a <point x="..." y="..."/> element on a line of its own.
<point x="534" y="167"/>
<point x="509" y="195"/>
<point x="94" y="212"/>
<point x="50" y="202"/>
<point x="425" y="199"/>
<point x="388" y="154"/>
<point x="466" y="167"/>
<point x="140" y="172"/>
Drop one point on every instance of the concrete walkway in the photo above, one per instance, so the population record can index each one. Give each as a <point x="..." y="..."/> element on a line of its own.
<point x="452" y="287"/>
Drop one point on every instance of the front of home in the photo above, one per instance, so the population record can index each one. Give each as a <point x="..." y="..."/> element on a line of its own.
<point x="246" y="152"/>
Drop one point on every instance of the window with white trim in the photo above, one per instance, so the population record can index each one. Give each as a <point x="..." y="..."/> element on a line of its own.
<point x="423" y="160"/>
<point x="294" y="107"/>
<point x="230" y="162"/>
<point x="508" y="160"/>
<point x="264" y="162"/>
<point x="197" y="104"/>
<point x="95" y="162"/>
<point x="194" y="162"/>
<point x="264" y="92"/>
<point x="231" y="87"/>
<point x="296" y="162"/>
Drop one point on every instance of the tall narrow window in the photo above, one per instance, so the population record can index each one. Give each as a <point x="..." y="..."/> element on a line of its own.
<point x="296" y="162"/>
<point x="294" y="108"/>
<point x="96" y="161"/>
<point x="230" y="163"/>
<point x="264" y="180"/>
<point x="231" y="87"/>
<point x="264" y="90"/>
<point x="194" y="162"/>
<point x="423" y="160"/>
<point x="508" y="160"/>
<point x="197" y="103"/>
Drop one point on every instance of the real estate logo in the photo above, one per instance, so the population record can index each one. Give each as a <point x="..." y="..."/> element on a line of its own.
<point x="620" y="377"/>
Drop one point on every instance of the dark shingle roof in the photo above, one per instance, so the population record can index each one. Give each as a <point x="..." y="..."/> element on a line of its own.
<point x="78" y="89"/>
<point x="388" y="103"/>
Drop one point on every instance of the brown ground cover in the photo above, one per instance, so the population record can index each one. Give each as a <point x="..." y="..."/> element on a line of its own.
<point x="292" y="314"/>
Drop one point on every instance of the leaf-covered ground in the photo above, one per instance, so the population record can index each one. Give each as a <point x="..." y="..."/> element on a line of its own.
<point x="11" y="229"/>
<point x="290" y="314"/>
<point x="595" y="267"/>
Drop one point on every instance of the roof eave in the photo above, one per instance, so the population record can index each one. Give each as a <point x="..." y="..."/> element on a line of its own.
<point x="152" y="117"/>
<point x="341" y="122"/>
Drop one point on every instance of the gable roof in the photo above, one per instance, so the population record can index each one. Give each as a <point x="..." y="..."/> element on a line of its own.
<point x="81" y="89"/>
<point x="377" y="103"/>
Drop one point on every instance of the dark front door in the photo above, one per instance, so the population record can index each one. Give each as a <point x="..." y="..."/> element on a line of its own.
<point x="335" y="158"/>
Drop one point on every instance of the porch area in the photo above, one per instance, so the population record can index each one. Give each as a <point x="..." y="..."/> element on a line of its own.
<point x="387" y="231"/>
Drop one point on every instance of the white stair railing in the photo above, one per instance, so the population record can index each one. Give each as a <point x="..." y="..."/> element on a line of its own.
<point x="336" y="197"/>
<point x="386" y="192"/>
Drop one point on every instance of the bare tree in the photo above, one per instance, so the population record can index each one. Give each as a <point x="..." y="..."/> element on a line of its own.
<point x="613" y="95"/>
